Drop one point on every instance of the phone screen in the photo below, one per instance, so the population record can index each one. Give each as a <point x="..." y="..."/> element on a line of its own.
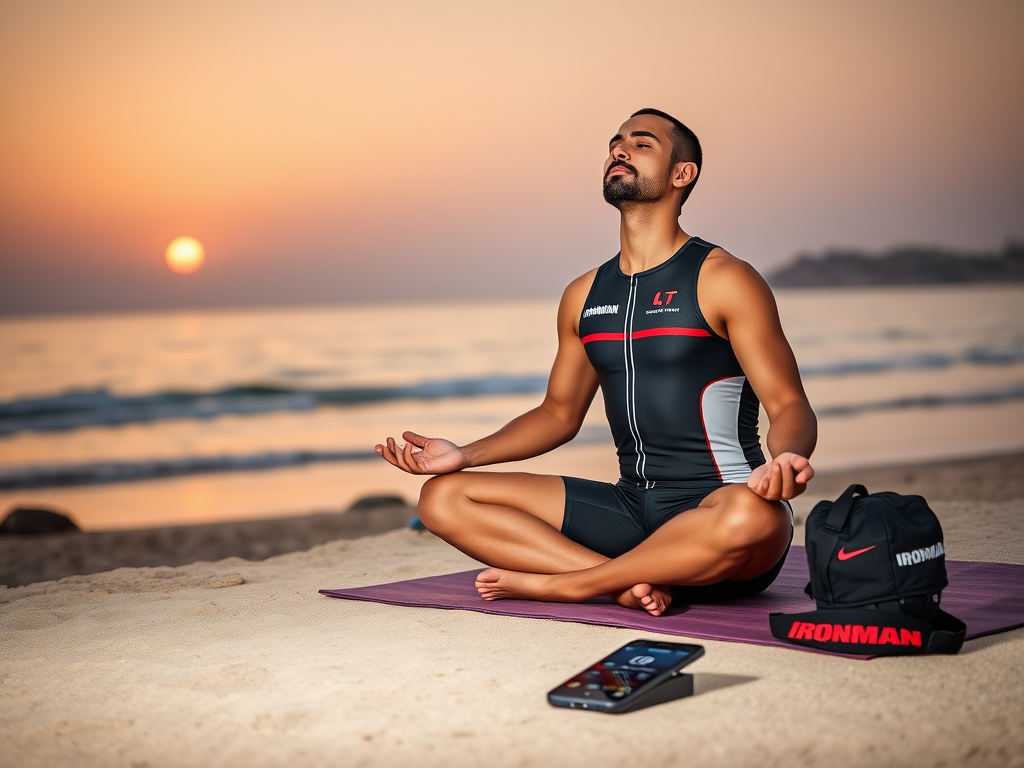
<point x="627" y="670"/>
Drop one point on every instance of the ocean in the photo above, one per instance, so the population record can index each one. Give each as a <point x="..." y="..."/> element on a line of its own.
<point x="137" y="420"/>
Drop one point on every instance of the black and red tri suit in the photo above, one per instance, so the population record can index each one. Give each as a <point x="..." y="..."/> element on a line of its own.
<point x="682" y="414"/>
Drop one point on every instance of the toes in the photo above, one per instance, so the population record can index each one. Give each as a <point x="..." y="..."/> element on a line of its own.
<point x="489" y="576"/>
<point x="645" y="597"/>
<point x="641" y="591"/>
<point x="487" y="584"/>
<point x="656" y="602"/>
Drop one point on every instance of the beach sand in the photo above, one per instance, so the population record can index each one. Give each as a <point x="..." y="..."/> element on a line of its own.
<point x="241" y="662"/>
<point x="29" y="559"/>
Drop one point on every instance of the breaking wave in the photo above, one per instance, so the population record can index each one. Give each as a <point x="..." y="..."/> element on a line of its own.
<point x="78" y="409"/>
<point x="74" y="410"/>
<point x="95" y="473"/>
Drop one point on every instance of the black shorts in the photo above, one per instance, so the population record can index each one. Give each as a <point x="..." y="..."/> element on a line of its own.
<point x="613" y="519"/>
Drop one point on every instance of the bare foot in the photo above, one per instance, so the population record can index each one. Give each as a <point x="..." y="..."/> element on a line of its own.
<point x="655" y="600"/>
<point x="496" y="584"/>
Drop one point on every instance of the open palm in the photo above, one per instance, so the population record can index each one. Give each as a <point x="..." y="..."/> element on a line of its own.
<point x="423" y="455"/>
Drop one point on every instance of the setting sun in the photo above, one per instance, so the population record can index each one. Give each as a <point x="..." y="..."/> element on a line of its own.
<point x="185" y="255"/>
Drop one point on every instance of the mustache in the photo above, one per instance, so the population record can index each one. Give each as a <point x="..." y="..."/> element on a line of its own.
<point x="620" y="164"/>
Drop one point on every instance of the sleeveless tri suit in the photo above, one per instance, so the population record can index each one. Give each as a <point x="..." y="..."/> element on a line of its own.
<point x="681" y="411"/>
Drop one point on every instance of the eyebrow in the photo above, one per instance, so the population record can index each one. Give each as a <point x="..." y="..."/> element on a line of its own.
<point x="634" y="134"/>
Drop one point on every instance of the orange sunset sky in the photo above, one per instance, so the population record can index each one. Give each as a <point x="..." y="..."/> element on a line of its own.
<point x="328" y="152"/>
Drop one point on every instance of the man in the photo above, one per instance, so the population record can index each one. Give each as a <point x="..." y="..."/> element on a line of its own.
<point x="684" y="339"/>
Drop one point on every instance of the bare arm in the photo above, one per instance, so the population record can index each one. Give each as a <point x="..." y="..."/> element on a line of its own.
<point x="571" y="388"/>
<point x="740" y="307"/>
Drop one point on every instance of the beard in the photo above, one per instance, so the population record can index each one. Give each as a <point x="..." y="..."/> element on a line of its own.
<point x="632" y="189"/>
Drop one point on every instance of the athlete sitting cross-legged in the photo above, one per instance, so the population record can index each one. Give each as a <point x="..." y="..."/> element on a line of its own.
<point x="684" y="340"/>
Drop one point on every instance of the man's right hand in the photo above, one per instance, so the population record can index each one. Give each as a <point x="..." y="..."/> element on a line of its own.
<point x="423" y="455"/>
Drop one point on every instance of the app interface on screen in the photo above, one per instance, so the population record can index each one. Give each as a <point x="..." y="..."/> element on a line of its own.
<point x="626" y="670"/>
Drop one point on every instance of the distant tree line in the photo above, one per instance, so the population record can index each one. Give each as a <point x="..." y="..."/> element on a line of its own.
<point x="909" y="265"/>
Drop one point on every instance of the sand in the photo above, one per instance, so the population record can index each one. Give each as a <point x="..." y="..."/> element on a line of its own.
<point x="237" y="662"/>
<point x="28" y="559"/>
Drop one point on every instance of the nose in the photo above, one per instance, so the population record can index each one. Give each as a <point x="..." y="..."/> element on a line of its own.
<point x="619" y="152"/>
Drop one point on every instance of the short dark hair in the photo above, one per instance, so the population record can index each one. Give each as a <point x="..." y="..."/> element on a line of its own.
<point x="685" y="146"/>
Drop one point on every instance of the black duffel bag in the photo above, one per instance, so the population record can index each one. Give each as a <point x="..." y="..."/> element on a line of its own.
<point x="878" y="568"/>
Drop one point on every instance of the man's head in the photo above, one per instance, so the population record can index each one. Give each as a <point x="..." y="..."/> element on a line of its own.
<point x="651" y="152"/>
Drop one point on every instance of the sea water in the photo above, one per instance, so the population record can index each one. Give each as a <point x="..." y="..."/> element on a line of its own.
<point x="162" y="418"/>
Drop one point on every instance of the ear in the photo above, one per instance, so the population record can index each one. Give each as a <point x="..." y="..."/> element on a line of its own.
<point x="683" y="174"/>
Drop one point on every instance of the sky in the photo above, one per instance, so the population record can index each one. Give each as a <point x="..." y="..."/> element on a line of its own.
<point x="332" y="152"/>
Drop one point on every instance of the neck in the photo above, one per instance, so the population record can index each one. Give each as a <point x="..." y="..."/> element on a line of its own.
<point x="649" y="234"/>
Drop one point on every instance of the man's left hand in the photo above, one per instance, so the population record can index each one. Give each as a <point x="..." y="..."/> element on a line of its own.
<point x="783" y="479"/>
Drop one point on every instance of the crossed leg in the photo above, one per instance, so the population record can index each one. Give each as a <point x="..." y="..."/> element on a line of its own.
<point x="733" y="535"/>
<point x="512" y="522"/>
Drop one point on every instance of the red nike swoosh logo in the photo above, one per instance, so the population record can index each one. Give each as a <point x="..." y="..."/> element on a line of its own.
<point x="844" y="555"/>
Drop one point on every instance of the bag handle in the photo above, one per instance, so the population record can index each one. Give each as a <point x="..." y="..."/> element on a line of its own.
<point x="836" y="520"/>
<point x="828" y="537"/>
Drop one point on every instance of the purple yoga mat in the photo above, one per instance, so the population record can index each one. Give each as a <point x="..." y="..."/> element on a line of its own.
<point x="988" y="597"/>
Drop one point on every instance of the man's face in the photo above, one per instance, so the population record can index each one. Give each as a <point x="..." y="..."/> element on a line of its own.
<point x="638" y="166"/>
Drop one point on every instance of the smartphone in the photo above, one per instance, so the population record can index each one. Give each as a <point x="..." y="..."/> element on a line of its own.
<point x="618" y="681"/>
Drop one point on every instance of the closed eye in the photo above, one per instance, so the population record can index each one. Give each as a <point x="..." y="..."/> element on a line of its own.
<point x="642" y="138"/>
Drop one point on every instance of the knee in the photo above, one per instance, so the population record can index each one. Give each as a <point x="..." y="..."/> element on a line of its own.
<point x="750" y="520"/>
<point x="438" y="503"/>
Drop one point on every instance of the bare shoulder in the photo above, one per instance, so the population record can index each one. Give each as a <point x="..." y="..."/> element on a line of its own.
<point x="580" y="287"/>
<point x="721" y="267"/>
<point x="573" y="298"/>
<point x="729" y="286"/>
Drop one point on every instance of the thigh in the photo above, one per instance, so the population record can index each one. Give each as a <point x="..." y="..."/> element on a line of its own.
<point x="731" y="534"/>
<point x="542" y="496"/>
<point x="666" y="502"/>
<point x="601" y="517"/>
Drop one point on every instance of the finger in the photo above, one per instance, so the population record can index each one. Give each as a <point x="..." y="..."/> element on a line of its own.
<point x="418" y="440"/>
<point x="788" y="482"/>
<point x="775" y="486"/>
<point x="801" y="465"/>
<point x="416" y="459"/>
<point x="410" y="458"/>
<point x="761" y="487"/>
<point x="805" y="474"/>
<point x="388" y="455"/>
<point x="399" y="456"/>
